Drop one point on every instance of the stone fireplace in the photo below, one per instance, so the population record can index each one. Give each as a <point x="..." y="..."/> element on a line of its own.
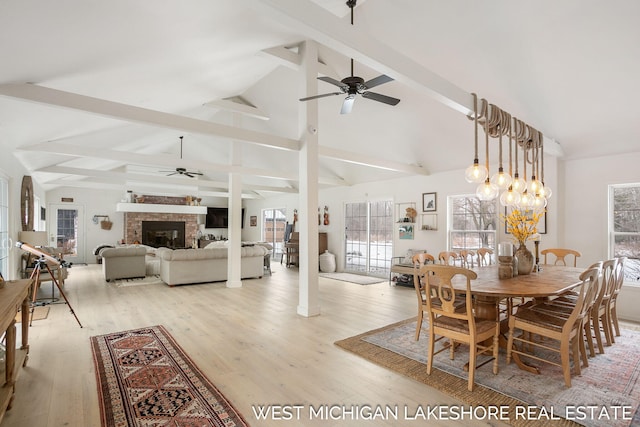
<point x="176" y="230"/>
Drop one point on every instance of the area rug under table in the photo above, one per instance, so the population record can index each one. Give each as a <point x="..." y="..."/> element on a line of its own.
<point x="611" y="380"/>
<point x="146" y="379"/>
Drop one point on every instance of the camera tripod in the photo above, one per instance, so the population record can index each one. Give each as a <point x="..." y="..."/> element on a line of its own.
<point x="35" y="276"/>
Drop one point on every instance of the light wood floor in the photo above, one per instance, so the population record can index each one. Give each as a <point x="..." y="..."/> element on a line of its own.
<point x="249" y="342"/>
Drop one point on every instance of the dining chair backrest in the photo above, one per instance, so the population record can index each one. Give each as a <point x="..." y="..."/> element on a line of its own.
<point x="442" y="300"/>
<point x="467" y="258"/>
<point x="419" y="284"/>
<point x="485" y="257"/>
<point x="560" y="255"/>
<point x="592" y="275"/>
<point x="422" y="258"/>
<point x="619" y="274"/>
<point x="613" y="304"/>
<point x="448" y="257"/>
<point x="608" y="284"/>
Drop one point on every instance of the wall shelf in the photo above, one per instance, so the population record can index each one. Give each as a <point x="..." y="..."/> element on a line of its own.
<point x="429" y="222"/>
<point x="401" y="212"/>
<point x="155" y="208"/>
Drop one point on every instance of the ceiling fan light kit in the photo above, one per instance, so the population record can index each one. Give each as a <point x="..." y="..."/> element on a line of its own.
<point x="354" y="85"/>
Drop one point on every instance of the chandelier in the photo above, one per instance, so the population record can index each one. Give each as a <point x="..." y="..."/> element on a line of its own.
<point x="512" y="190"/>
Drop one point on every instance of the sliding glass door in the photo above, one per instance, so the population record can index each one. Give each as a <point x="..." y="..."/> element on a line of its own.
<point x="369" y="237"/>
<point x="273" y="225"/>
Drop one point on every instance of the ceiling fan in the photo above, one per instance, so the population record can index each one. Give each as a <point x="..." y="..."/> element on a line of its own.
<point x="354" y="85"/>
<point x="182" y="171"/>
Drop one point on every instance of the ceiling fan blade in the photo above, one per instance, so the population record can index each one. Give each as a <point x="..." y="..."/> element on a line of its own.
<point x="347" y="105"/>
<point x="335" y="82"/>
<point x="173" y="173"/>
<point x="320" y="96"/>
<point x="382" y="79"/>
<point x="194" y="173"/>
<point x="381" y="98"/>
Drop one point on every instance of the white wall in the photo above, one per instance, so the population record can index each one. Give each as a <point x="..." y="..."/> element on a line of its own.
<point x="586" y="211"/>
<point x="94" y="202"/>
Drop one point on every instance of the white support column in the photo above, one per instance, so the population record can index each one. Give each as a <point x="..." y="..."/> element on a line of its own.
<point x="309" y="301"/>
<point x="234" y="259"/>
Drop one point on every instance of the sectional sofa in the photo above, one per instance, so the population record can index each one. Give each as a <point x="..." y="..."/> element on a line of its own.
<point x="209" y="264"/>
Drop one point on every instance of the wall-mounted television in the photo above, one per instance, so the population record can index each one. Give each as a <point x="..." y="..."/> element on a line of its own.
<point x="219" y="218"/>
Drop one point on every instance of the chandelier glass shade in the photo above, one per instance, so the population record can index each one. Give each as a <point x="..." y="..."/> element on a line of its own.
<point x="475" y="173"/>
<point x="524" y="142"/>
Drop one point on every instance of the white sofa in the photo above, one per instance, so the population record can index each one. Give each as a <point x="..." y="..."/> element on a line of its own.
<point x="123" y="262"/>
<point x="186" y="266"/>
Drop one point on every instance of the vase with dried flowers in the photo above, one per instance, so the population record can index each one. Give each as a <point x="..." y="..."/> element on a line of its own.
<point x="523" y="225"/>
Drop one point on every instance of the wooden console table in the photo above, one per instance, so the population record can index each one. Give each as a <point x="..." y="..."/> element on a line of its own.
<point x="14" y="296"/>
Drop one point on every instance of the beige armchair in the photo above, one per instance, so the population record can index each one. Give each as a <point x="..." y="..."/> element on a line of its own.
<point x="123" y="263"/>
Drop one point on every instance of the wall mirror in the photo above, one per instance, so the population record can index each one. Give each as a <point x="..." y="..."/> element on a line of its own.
<point x="26" y="203"/>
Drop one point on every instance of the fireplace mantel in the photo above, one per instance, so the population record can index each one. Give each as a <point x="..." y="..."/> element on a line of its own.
<point x="156" y="208"/>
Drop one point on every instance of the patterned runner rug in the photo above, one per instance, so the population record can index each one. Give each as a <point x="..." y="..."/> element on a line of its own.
<point x="146" y="379"/>
<point x="611" y="380"/>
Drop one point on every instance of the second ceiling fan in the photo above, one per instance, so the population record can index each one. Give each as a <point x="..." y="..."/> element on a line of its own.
<point x="354" y="85"/>
<point x="182" y="171"/>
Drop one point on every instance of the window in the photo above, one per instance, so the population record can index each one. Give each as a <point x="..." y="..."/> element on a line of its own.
<point x="624" y="227"/>
<point x="5" y="244"/>
<point x="472" y="223"/>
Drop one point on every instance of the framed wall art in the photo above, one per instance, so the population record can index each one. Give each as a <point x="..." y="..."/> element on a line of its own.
<point x="429" y="202"/>
<point x="405" y="231"/>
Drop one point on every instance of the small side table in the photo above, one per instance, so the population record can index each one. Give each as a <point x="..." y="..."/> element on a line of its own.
<point x="14" y="296"/>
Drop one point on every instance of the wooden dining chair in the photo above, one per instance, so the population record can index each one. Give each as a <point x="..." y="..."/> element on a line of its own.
<point x="613" y="312"/>
<point x="422" y="258"/>
<point x="560" y="255"/>
<point x="567" y="331"/>
<point x="419" y="283"/>
<point x="563" y="306"/>
<point x="485" y="257"/>
<point x="448" y="257"/>
<point x="600" y="322"/>
<point x="446" y="322"/>
<point x="467" y="258"/>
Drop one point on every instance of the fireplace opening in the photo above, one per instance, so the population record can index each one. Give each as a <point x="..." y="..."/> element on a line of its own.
<point x="168" y="234"/>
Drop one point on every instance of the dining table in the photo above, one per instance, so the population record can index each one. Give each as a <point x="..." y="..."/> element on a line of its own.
<point x="489" y="290"/>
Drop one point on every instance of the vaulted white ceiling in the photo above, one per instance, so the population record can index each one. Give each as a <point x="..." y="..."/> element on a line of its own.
<point x="97" y="94"/>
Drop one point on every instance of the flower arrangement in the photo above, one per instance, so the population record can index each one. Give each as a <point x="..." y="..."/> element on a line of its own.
<point x="522" y="224"/>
